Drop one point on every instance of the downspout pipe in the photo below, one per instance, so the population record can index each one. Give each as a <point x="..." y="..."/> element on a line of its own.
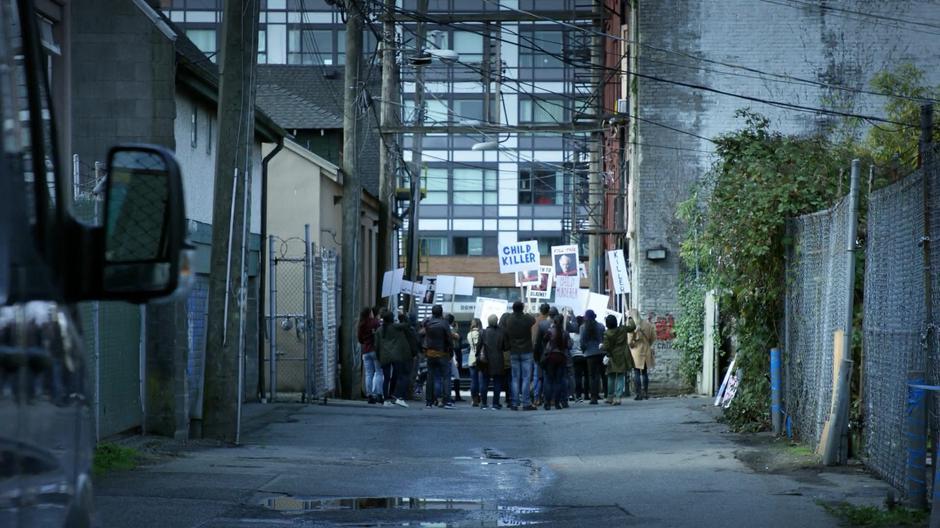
<point x="262" y="269"/>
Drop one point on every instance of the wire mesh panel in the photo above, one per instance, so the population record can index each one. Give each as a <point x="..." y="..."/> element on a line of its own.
<point x="894" y="321"/>
<point x="197" y="313"/>
<point x="290" y="313"/>
<point x="817" y="286"/>
<point x="325" y="317"/>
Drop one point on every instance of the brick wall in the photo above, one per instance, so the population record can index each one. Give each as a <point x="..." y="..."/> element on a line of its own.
<point x="806" y="42"/>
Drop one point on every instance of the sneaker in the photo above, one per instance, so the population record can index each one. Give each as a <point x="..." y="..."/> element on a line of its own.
<point x="401" y="403"/>
<point x="387" y="403"/>
<point x="580" y="400"/>
<point x="497" y="407"/>
<point x="530" y="407"/>
<point x="483" y="407"/>
<point x="371" y="400"/>
<point x="429" y="405"/>
<point x="513" y="408"/>
<point x="449" y="405"/>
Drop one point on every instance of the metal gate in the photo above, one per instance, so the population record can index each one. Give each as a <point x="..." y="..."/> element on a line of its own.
<point x="301" y="320"/>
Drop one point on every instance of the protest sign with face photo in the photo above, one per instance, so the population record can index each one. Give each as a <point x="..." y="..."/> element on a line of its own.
<point x="430" y="285"/>
<point x="527" y="278"/>
<point x="565" y="260"/>
<point x="543" y="288"/>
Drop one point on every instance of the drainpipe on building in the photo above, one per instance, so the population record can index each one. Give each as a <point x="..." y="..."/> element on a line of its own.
<point x="262" y="269"/>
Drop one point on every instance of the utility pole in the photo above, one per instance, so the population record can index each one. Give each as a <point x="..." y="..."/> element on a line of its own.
<point x="387" y="160"/>
<point x="596" y="186"/>
<point x="229" y="216"/>
<point x="352" y="200"/>
<point x="417" y="147"/>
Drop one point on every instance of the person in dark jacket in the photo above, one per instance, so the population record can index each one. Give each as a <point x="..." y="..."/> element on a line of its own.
<point x="617" y="349"/>
<point x="394" y="350"/>
<point x="365" y="334"/>
<point x="543" y="322"/>
<point x="592" y="334"/>
<point x="491" y="349"/>
<point x="554" y="359"/>
<point x="457" y="356"/>
<point x="518" y="327"/>
<point x="439" y="344"/>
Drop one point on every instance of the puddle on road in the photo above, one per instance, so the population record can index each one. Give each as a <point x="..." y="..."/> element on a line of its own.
<point x="492" y="514"/>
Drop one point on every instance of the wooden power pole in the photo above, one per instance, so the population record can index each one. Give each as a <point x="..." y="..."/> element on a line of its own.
<point x="236" y="118"/>
<point x="387" y="159"/>
<point x="352" y="201"/>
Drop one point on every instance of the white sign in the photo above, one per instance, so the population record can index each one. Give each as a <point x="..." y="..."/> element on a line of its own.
<point x="618" y="271"/>
<point x="445" y="284"/>
<point x="565" y="261"/>
<point x="486" y="307"/>
<point x="464" y="286"/>
<point x="407" y="287"/>
<point x="543" y="289"/>
<point x="598" y="302"/>
<point x="582" y="267"/>
<point x="518" y="256"/>
<point x="584" y="295"/>
<point x="527" y="278"/>
<point x="618" y="315"/>
<point x="418" y="290"/>
<point x="430" y="288"/>
<point x="387" y="284"/>
<point x="566" y="292"/>
<point x="397" y="276"/>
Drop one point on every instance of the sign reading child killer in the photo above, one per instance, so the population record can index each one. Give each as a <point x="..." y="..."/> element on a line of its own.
<point x="518" y="256"/>
<point x="618" y="271"/>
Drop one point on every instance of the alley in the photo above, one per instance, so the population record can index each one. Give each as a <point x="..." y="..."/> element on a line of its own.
<point x="664" y="462"/>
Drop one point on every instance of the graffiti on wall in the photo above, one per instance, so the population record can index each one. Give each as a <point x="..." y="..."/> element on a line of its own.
<point x="664" y="326"/>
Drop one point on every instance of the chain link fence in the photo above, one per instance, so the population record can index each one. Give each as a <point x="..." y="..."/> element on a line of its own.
<point x="817" y="284"/>
<point x="302" y="320"/>
<point x="895" y="322"/>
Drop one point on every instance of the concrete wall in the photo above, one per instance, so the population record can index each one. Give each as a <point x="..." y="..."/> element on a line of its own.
<point x="824" y="45"/>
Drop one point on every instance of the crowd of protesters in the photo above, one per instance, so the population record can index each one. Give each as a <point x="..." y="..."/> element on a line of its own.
<point x="524" y="361"/>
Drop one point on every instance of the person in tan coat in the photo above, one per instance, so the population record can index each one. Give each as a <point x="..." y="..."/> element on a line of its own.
<point x="642" y="337"/>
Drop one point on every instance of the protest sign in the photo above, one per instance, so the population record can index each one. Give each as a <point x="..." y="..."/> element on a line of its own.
<point x="565" y="261"/>
<point x="527" y="278"/>
<point x="397" y="276"/>
<point x="387" y="284"/>
<point x="407" y="287"/>
<point x="418" y="290"/>
<point x="430" y="289"/>
<point x="584" y="295"/>
<point x="542" y="289"/>
<point x="598" y="302"/>
<point x="487" y="306"/>
<point x="464" y="286"/>
<point x="445" y="284"/>
<point x="566" y="292"/>
<point x="618" y="271"/>
<point x="518" y="256"/>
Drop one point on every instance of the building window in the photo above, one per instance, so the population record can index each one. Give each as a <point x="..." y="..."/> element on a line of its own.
<point x="469" y="45"/>
<point x="262" y="47"/>
<point x="475" y="187"/>
<point x="193" y="131"/>
<point x="205" y="40"/>
<point x="310" y="46"/>
<point x="470" y="246"/>
<point x="435" y="185"/>
<point x="541" y="49"/>
<point x="533" y="110"/>
<point x="541" y="187"/>
<point x="475" y="109"/>
<point x="369" y="44"/>
<point x="434" y="246"/>
<point x="436" y="111"/>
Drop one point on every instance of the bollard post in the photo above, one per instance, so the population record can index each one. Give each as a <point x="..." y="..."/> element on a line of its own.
<point x="776" y="413"/>
<point x="916" y="432"/>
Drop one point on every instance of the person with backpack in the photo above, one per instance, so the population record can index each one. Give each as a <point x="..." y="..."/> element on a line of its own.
<point x="395" y="352"/>
<point x="554" y="358"/>
<point x="491" y="351"/>
<point x="592" y="334"/>
<point x="620" y="362"/>
<point x="439" y="344"/>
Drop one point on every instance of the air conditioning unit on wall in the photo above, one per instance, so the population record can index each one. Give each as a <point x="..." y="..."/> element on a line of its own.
<point x="623" y="106"/>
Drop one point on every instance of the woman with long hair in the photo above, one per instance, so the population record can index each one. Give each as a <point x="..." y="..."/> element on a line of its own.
<point x="554" y="359"/>
<point x="365" y="333"/>
<point x="473" y="338"/>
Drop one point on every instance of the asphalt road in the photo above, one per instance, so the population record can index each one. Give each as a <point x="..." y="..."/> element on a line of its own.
<point x="661" y="462"/>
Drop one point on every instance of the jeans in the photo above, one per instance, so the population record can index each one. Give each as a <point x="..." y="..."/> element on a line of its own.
<point x="374" y="378"/>
<point x="554" y="380"/>
<point x="580" y="377"/>
<point x="521" y="376"/>
<point x="497" y="387"/>
<point x="538" y="375"/>
<point x="388" y="382"/>
<point x="595" y="366"/>
<point x="475" y="382"/>
<point x="616" y="382"/>
<point x="402" y="372"/>
<point x="641" y="375"/>
<point x="438" y="385"/>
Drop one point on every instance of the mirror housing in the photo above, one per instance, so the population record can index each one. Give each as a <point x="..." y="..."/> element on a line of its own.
<point x="144" y="225"/>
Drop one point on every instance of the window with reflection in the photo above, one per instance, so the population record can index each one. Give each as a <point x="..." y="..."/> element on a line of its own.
<point x="541" y="186"/>
<point x="540" y="110"/>
<point x="541" y="49"/>
<point x="434" y="181"/>
<point x="474" y="186"/>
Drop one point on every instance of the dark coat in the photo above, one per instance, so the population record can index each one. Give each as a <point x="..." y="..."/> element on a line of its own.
<point x="391" y="344"/>
<point x="492" y="349"/>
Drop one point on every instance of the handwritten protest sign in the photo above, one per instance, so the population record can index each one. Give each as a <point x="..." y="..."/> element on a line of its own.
<point x="618" y="271"/>
<point x="566" y="292"/>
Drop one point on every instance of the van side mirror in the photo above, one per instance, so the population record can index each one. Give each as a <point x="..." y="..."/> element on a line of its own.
<point x="144" y="224"/>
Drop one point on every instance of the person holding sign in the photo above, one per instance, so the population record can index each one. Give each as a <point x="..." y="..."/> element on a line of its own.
<point x="621" y="362"/>
<point x="518" y="327"/>
<point x="641" y="347"/>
